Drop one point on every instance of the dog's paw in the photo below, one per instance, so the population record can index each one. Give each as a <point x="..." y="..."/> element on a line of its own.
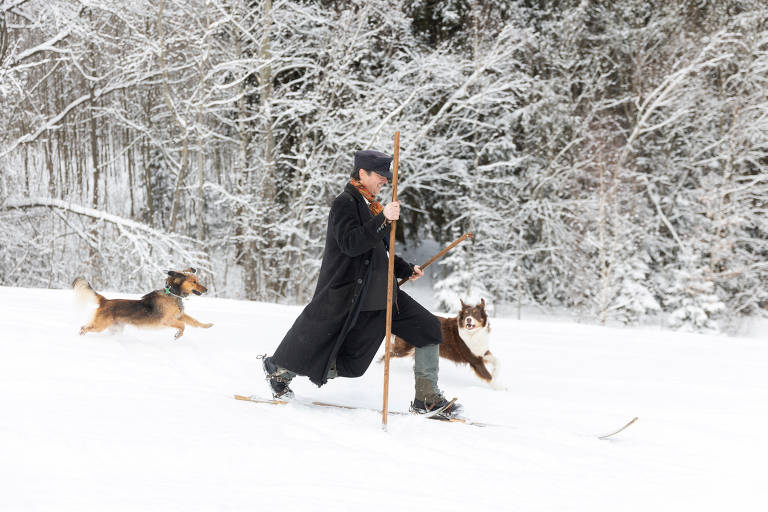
<point x="178" y="335"/>
<point x="207" y="326"/>
<point x="83" y="330"/>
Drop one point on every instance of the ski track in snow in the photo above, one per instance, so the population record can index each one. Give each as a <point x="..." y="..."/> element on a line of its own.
<point x="139" y="421"/>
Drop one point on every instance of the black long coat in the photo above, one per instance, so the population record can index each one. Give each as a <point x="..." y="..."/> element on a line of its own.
<point x="310" y="346"/>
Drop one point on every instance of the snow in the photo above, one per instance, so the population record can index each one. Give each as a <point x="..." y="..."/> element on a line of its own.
<point x="138" y="421"/>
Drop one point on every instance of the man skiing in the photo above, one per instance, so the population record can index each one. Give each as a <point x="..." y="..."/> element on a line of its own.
<point x="339" y="332"/>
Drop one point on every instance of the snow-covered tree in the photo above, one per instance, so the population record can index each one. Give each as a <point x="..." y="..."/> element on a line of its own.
<point x="609" y="158"/>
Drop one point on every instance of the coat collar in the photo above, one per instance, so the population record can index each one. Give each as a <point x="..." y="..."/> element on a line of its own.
<point x="357" y="195"/>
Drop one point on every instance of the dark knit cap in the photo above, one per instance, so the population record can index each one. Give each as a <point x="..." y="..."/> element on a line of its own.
<point x="374" y="161"/>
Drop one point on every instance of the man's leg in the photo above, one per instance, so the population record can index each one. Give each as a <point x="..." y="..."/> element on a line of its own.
<point x="426" y="365"/>
<point x="279" y="378"/>
<point x="420" y="328"/>
<point x="360" y="344"/>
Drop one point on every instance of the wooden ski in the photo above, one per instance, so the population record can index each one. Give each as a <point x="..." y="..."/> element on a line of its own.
<point x="260" y="400"/>
<point x="606" y="436"/>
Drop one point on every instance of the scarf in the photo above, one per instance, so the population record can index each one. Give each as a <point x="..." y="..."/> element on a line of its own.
<point x="373" y="204"/>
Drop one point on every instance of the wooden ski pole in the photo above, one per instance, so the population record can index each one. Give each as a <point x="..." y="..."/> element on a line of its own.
<point x="439" y="255"/>
<point x="390" y="285"/>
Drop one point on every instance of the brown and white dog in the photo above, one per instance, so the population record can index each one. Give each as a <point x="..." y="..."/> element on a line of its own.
<point x="160" y="308"/>
<point x="465" y="341"/>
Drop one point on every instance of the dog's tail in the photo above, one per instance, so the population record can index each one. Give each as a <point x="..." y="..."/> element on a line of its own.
<point x="85" y="294"/>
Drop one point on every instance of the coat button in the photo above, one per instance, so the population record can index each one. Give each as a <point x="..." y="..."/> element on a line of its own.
<point x="367" y="262"/>
<point x="359" y="281"/>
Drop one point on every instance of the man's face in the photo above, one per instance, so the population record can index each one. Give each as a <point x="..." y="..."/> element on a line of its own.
<point x="372" y="181"/>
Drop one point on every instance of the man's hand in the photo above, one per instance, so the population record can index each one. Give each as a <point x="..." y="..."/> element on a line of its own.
<point x="417" y="273"/>
<point x="392" y="210"/>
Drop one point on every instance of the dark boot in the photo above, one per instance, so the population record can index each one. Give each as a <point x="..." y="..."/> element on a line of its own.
<point x="428" y="399"/>
<point x="278" y="379"/>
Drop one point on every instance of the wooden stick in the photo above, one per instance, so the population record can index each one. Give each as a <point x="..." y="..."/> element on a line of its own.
<point x="390" y="285"/>
<point x="439" y="255"/>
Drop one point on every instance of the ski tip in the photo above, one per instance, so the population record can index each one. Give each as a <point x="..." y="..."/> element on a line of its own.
<point x="608" y="436"/>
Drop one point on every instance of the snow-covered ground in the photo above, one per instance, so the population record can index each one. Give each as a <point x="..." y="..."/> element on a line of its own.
<point x="137" y="421"/>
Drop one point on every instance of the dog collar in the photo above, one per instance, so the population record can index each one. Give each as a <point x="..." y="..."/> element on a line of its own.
<point x="169" y="292"/>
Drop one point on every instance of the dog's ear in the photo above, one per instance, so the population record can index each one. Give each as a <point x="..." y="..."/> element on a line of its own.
<point x="482" y="302"/>
<point x="173" y="273"/>
<point x="462" y="304"/>
<point x="190" y="270"/>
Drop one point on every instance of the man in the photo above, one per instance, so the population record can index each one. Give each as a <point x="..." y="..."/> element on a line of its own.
<point x="340" y="330"/>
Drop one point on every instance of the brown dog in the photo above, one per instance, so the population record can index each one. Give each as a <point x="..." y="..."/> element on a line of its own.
<point x="160" y="308"/>
<point x="465" y="341"/>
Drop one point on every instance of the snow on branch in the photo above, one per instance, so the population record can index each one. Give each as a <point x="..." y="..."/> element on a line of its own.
<point x="81" y="210"/>
<point x="662" y="95"/>
<point x="53" y="122"/>
<point x="145" y="250"/>
<point x="49" y="45"/>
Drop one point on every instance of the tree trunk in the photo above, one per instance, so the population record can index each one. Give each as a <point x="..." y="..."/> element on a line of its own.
<point x="94" y="150"/>
<point x="130" y="168"/>
<point x="246" y="254"/>
<point x="200" y="139"/>
<point x="183" y="128"/>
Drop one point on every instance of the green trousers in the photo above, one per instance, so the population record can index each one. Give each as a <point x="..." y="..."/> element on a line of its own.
<point x="425" y="367"/>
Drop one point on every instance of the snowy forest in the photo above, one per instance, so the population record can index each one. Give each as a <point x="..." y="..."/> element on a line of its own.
<point x="611" y="158"/>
